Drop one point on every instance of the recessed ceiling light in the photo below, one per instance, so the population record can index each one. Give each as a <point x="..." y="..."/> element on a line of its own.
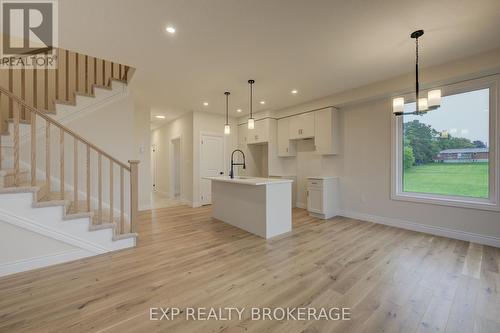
<point x="170" y="29"/>
<point x="160" y="117"/>
<point x="295" y="91"/>
<point x="205" y="103"/>
<point x="238" y="110"/>
<point x="262" y="102"/>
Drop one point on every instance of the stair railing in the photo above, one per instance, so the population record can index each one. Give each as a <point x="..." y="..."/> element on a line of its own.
<point x="18" y="106"/>
<point x="42" y="87"/>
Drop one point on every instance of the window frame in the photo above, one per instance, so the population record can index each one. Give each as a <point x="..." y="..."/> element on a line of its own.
<point x="493" y="201"/>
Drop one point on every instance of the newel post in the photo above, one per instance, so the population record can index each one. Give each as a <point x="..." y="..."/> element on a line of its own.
<point x="134" y="193"/>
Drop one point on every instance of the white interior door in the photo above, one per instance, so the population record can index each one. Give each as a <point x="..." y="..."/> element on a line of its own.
<point x="211" y="164"/>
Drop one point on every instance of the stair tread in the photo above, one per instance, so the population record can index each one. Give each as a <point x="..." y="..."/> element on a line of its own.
<point x="9" y="172"/>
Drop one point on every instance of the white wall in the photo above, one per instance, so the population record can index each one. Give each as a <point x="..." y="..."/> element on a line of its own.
<point x="181" y="127"/>
<point x="121" y="129"/>
<point x="364" y="162"/>
<point x="189" y="127"/>
<point x="211" y="123"/>
<point x="13" y="247"/>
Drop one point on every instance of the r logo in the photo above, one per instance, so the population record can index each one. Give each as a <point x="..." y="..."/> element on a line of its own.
<point x="28" y="26"/>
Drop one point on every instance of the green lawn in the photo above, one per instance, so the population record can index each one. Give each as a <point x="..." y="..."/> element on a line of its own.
<point x="462" y="179"/>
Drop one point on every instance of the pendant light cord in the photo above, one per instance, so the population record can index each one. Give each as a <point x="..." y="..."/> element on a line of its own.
<point x="251" y="97"/>
<point x="227" y="107"/>
<point x="417" y="86"/>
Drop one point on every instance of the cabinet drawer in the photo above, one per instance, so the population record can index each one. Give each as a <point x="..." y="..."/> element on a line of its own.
<point x="314" y="183"/>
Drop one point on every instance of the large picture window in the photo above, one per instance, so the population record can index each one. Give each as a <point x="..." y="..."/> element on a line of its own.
<point x="448" y="155"/>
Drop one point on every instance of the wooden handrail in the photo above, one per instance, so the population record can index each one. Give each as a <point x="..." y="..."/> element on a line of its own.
<point x="62" y="127"/>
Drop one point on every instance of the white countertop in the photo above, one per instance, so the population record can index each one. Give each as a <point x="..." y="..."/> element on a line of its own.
<point x="249" y="180"/>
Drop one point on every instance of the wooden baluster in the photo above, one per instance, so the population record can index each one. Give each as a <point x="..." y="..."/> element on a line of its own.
<point x="61" y="163"/>
<point x="75" y="174"/>
<point x="1" y="129"/>
<point x="16" y="144"/>
<point x="95" y="70"/>
<point x="76" y="72"/>
<point x="86" y="74"/>
<point x="23" y="91"/>
<point x="99" y="189"/>
<point x="35" y="86"/>
<point x="57" y="76"/>
<point x="120" y="72"/>
<point x="11" y="89"/>
<point x="47" y="154"/>
<point x="103" y="72"/>
<point x="67" y="75"/>
<point x="125" y="76"/>
<point x="88" y="178"/>
<point x="112" y="70"/>
<point x="46" y="83"/>
<point x="122" y="202"/>
<point x="134" y="192"/>
<point x="111" y="192"/>
<point x="33" y="149"/>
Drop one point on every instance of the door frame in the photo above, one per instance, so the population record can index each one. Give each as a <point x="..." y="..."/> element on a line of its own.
<point x="202" y="134"/>
<point x="171" y="187"/>
<point x="154" y="167"/>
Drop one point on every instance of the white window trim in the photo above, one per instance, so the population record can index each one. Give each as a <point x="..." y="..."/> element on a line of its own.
<point x="493" y="202"/>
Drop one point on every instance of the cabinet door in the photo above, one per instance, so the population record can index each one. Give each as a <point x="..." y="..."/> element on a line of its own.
<point x="242" y="135"/>
<point x="285" y="146"/>
<point x="260" y="133"/>
<point x="326" y="137"/>
<point x="315" y="200"/>
<point x="302" y="126"/>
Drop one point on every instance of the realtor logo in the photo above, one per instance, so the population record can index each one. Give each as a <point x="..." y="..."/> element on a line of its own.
<point x="29" y="27"/>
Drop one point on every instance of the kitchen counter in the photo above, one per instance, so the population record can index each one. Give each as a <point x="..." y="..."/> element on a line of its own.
<point x="249" y="180"/>
<point x="262" y="206"/>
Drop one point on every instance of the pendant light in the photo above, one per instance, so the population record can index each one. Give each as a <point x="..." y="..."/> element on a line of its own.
<point x="227" y="128"/>
<point x="251" y="121"/>
<point x="424" y="104"/>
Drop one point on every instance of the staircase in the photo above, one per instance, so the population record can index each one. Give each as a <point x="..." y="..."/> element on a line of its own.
<point x="52" y="179"/>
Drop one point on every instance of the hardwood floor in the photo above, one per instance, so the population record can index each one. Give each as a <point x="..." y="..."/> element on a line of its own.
<point x="392" y="280"/>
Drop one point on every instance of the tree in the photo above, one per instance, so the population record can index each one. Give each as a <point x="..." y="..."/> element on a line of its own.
<point x="409" y="159"/>
<point x="479" y="144"/>
<point x="422" y="140"/>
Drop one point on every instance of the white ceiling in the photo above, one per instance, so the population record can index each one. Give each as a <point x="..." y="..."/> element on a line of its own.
<point x="316" y="46"/>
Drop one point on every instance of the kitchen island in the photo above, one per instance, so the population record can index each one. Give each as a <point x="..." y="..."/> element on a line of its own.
<point x="261" y="206"/>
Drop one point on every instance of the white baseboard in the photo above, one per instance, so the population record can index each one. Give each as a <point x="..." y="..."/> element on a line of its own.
<point x="145" y="207"/>
<point x="42" y="261"/>
<point x="433" y="230"/>
<point x="301" y="205"/>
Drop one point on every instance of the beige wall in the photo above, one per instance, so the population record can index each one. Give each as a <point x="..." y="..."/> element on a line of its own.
<point x="364" y="163"/>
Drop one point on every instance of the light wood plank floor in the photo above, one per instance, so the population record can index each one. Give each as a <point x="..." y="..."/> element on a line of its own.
<point x="393" y="280"/>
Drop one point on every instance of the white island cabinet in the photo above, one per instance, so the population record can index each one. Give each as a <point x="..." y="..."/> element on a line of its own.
<point x="261" y="206"/>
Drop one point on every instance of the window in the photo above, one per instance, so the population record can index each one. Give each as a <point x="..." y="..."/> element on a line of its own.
<point x="448" y="156"/>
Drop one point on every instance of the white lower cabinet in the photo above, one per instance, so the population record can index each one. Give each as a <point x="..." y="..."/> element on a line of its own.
<point x="323" y="197"/>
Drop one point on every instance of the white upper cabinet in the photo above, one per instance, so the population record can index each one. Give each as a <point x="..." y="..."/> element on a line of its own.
<point x="286" y="147"/>
<point x="260" y="134"/>
<point x="327" y="137"/>
<point x="242" y="135"/>
<point x="302" y="126"/>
